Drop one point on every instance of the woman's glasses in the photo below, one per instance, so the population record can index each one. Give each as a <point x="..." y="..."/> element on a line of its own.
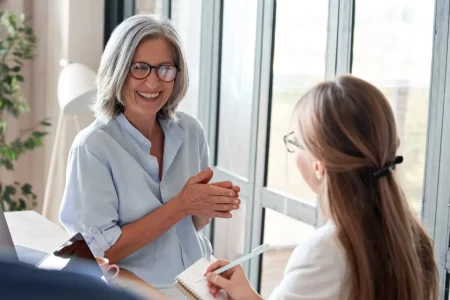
<point x="291" y="142"/>
<point x="141" y="70"/>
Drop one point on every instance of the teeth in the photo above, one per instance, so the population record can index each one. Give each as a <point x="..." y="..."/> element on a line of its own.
<point x="149" y="95"/>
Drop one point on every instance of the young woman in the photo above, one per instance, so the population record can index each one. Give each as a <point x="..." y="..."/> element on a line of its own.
<point x="372" y="247"/>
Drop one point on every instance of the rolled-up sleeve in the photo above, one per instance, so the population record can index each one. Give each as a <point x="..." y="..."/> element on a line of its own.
<point x="90" y="202"/>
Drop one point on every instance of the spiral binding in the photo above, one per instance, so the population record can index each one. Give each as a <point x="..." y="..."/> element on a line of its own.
<point x="189" y="293"/>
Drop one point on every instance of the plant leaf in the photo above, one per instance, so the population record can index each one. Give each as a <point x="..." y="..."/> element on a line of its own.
<point x="45" y="123"/>
<point x="10" y="190"/>
<point x="26" y="189"/>
<point x="22" y="204"/>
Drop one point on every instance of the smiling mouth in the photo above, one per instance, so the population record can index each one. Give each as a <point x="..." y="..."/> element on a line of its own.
<point x="149" y="96"/>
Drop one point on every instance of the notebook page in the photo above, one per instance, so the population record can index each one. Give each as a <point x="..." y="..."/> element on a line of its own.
<point x="192" y="274"/>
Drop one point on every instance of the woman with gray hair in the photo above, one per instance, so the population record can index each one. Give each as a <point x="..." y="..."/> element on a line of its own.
<point x="137" y="184"/>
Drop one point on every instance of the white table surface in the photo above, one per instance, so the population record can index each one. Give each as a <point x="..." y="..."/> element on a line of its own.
<point x="30" y="229"/>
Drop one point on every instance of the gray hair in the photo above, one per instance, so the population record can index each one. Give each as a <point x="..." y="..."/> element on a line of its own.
<point x="116" y="61"/>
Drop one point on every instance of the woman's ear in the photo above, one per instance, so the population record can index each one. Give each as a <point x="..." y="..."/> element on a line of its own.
<point x="319" y="169"/>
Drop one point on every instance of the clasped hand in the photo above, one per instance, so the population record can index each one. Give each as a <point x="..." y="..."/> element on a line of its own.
<point x="216" y="200"/>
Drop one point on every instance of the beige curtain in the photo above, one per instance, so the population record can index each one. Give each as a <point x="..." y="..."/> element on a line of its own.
<point x="70" y="29"/>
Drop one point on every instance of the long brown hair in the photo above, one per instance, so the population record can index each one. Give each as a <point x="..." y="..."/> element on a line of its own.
<point x="349" y="125"/>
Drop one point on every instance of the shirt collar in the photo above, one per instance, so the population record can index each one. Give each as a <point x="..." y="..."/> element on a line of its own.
<point x="173" y="138"/>
<point x="136" y="134"/>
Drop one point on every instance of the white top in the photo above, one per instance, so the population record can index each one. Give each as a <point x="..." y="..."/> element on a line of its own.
<point x="316" y="269"/>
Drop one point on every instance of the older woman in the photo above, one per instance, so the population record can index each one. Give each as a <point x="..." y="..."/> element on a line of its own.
<point x="137" y="178"/>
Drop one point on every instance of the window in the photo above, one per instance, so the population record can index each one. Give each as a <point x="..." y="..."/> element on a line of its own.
<point x="236" y="85"/>
<point x="298" y="64"/>
<point x="279" y="234"/>
<point x="392" y="49"/>
<point x="118" y="10"/>
<point x="234" y="120"/>
<point x="186" y="17"/>
<point x="149" y="6"/>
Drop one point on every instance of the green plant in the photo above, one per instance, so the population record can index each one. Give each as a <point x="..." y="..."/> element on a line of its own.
<point x="17" y="44"/>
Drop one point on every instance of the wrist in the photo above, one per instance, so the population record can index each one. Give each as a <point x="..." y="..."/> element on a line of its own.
<point x="200" y="222"/>
<point x="180" y="205"/>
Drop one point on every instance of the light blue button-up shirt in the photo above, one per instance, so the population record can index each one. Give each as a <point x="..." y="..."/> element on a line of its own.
<point x="112" y="180"/>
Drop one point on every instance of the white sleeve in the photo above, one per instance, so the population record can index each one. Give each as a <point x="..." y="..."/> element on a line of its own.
<point x="315" y="271"/>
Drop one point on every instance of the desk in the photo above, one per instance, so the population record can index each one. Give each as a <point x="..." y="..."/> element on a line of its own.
<point x="29" y="229"/>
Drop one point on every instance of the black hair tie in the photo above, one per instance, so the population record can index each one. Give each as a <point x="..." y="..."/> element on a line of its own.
<point x="388" y="168"/>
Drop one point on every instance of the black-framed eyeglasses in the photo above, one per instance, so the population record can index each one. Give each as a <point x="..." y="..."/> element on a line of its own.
<point x="291" y="142"/>
<point x="141" y="70"/>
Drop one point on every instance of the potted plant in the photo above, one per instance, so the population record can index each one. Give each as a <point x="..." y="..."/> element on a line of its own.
<point x="17" y="44"/>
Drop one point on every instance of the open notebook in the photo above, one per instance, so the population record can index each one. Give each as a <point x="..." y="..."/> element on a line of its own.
<point x="186" y="282"/>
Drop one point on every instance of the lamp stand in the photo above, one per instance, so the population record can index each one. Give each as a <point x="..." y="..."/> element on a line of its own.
<point x="51" y="170"/>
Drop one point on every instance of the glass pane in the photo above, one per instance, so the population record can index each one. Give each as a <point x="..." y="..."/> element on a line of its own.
<point x="282" y="244"/>
<point x="392" y="50"/>
<point x="148" y="6"/>
<point x="189" y="30"/>
<point x="292" y="78"/>
<point x="229" y="234"/>
<point x="236" y="84"/>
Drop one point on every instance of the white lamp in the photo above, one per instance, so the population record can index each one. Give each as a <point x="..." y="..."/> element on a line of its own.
<point x="76" y="89"/>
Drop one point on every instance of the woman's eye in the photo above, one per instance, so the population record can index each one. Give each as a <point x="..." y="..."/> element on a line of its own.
<point x="140" y="67"/>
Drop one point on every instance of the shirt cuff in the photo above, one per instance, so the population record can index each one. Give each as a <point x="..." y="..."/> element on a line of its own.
<point x="205" y="245"/>
<point x="101" y="241"/>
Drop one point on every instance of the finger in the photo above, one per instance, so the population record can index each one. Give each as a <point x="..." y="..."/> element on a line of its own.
<point x="221" y="214"/>
<point x="202" y="177"/>
<point x="220" y="191"/>
<point x="224" y="200"/>
<point x="213" y="289"/>
<point x="215" y="265"/>
<point x="218" y="280"/>
<point x="226" y="207"/>
<point x="228" y="273"/>
<point x="236" y="188"/>
<point x="225" y="184"/>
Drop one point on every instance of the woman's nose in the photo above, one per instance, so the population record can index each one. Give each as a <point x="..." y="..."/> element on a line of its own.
<point x="152" y="81"/>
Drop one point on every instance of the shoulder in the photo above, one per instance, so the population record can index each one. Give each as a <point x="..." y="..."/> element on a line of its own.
<point x="189" y="123"/>
<point x="97" y="135"/>
<point x="316" y="268"/>
<point x="322" y="247"/>
<point x="193" y="129"/>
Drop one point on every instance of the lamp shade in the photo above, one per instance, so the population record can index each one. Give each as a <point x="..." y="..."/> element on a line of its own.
<point x="76" y="89"/>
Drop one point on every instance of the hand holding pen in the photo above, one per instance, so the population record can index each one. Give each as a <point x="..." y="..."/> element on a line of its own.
<point x="230" y="276"/>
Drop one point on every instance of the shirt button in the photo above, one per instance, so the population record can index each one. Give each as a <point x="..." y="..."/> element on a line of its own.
<point x="93" y="230"/>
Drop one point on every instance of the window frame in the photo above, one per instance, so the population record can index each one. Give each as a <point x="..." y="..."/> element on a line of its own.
<point x="115" y="12"/>
<point x="436" y="196"/>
